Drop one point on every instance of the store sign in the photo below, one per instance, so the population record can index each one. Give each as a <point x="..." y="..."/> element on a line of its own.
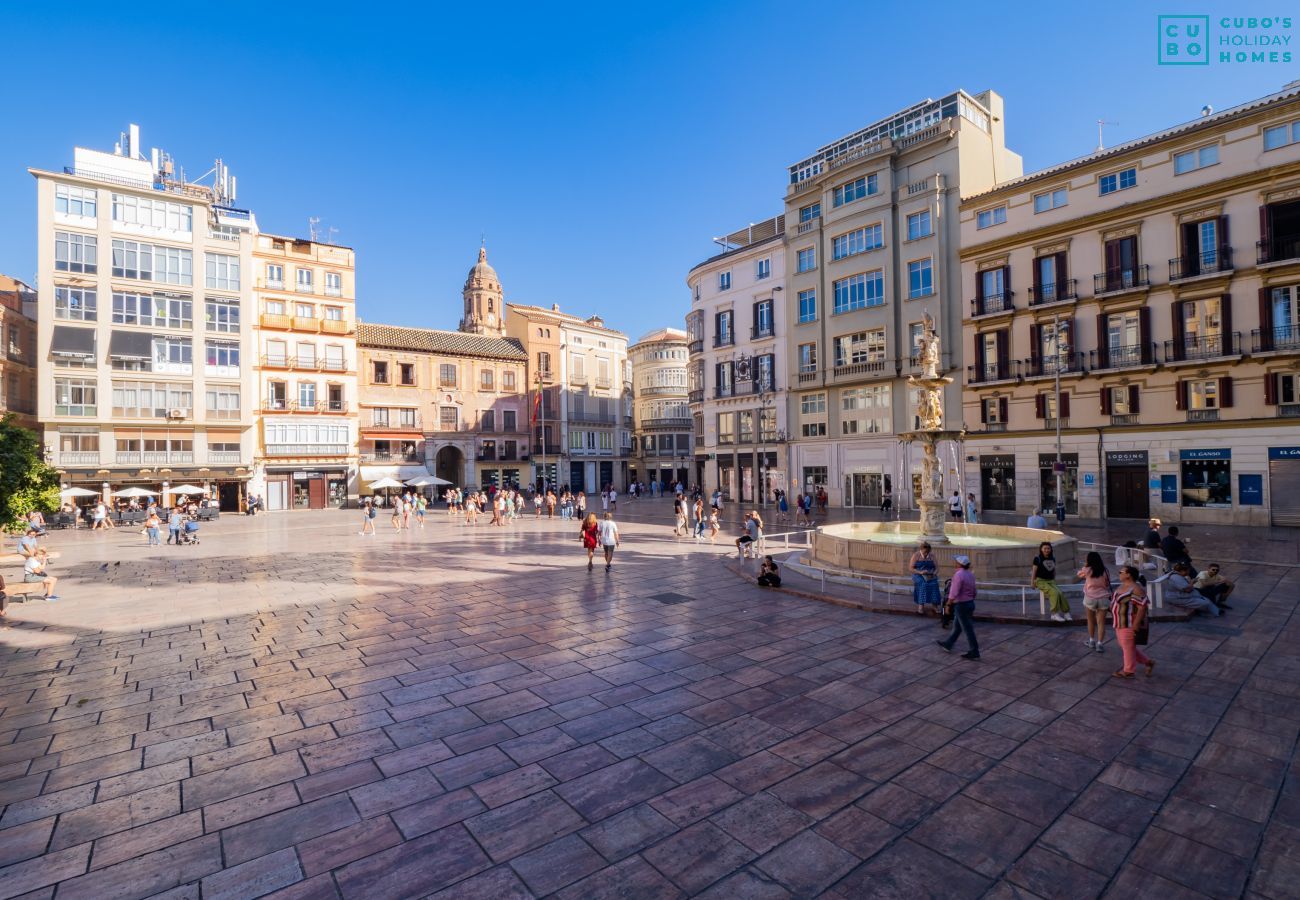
<point x="1169" y="489"/>
<point x="1250" y="490"/>
<point x="1047" y="460"/>
<point x="1284" y="452"/>
<point x="1204" y="454"/>
<point x="1004" y="461"/>
<point x="1126" y="457"/>
<point x="1089" y="479"/>
<point x="304" y="476"/>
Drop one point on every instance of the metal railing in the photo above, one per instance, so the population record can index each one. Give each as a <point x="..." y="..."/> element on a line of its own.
<point x="695" y="396"/>
<point x="1210" y="346"/>
<point x="306" y="449"/>
<point x="1059" y="292"/>
<point x="863" y="368"/>
<point x="724" y="340"/>
<point x="1278" y="249"/>
<point x="224" y="457"/>
<point x="1123" y="357"/>
<point x="79" y="458"/>
<point x="1203" y="415"/>
<point x="695" y="345"/>
<point x="1206" y="263"/>
<point x="1006" y="370"/>
<point x="389" y="456"/>
<point x="1064" y="364"/>
<point x="1124" y="419"/>
<point x="1287" y="337"/>
<point x="759" y="332"/>
<point x="1114" y="281"/>
<point x="991" y="304"/>
<point x="723" y="390"/>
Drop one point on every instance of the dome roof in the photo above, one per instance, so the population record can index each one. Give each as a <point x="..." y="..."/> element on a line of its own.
<point x="482" y="273"/>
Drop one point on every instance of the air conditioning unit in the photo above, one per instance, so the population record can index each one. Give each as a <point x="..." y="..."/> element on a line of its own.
<point x="175" y="413"/>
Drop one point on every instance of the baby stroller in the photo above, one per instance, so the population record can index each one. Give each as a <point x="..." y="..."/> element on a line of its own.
<point x="190" y="532"/>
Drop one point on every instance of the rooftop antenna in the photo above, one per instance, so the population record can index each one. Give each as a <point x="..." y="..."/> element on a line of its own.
<point x="312" y="226"/>
<point x="329" y="237"/>
<point x="1100" y="123"/>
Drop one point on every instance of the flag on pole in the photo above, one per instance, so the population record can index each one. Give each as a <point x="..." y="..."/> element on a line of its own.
<point x="537" y="404"/>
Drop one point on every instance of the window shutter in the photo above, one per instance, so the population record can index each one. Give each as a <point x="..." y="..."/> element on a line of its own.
<point x="984" y="413"/>
<point x="1006" y="286"/>
<point x="1224" y="242"/>
<point x="1112" y="260"/>
<point x="755" y="317"/>
<point x="1176" y="317"/>
<point x="1070" y="342"/>
<point x="1062" y="273"/>
<point x="1191" y="250"/>
<point x="1144" y="333"/>
<point x="1064" y="411"/>
<point x="1004" y="353"/>
<point x="1105" y="401"/>
<point x="1225" y="392"/>
<point x="1225" y="318"/>
<point x="1103" y="344"/>
<point x="1265" y="319"/>
<point x="1180" y="395"/>
<point x="1264" y="235"/>
<point x="1270" y="388"/>
<point x="1002" y="409"/>
<point x="1133" y="393"/>
<point x="1040" y="406"/>
<point x="1038" y="281"/>
<point x="979" y="357"/>
<point x="1035" y="347"/>
<point x="979" y="290"/>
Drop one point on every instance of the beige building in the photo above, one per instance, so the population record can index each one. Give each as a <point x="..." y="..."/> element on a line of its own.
<point x="1159" y="281"/>
<point x="582" y="389"/>
<point x="871" y="223"/>
<point x="661" y="419"/>
<point x="144" y="344"/>
<point x="448" y="403"/>
<point x="305" y="298"/>
<point x="18" y="352"/>
<point x="738" y="329"/>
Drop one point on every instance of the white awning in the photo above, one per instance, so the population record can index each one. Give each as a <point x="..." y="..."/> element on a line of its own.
<point x="401" y="473"/>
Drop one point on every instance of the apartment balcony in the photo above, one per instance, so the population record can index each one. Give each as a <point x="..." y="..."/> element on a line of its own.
<point x="1128" y="356"/>
<point x="758" y="386"/>
<point x="390" y="456"/>
<point x="1051" y="424"/>
<point x="275" y="405"/>
<point x="79" y="458"/>
<point x="276" y="320"/>
<point x="680" y="423"/>
<point x="807" y="375"/>
<point x="1062" y="364"/>
<point x="127" y="458"/>
<point x="222" y="415"/>
<point x="274" y="284"/>
<point x="1284" y="339"/>
<point x="545" y="375"/>
<point x="1211" y="262"/>
<point x="723" y="390"/>
<point x="660" y="390"/>
<point x="761" y="332"/>
<point x="1213" y="346"/>
<point x="333" y="292"/>
<point x="577" y="378"/>
<point x="164" y="457"/>
<point x="995" y="426"/>
<point x="695" y="396"/>
<point x="805" y="227"/>
<point x="592" y="417"/>
<point x="724" y="340"/>
<point x="992" y="304"/>
<point x="1279" y="249"/>
<point x="546" y="449"/>
<point x="1060" y="292"/>
<point x="306" y="449"/>
<point x="853" y="370"/>
<point x="1121" y="281"/>
<point x="336" y="326"/>
<point x="306" y="323"/>
<point x="414" y="424"/>
<point x="1288" y="410"/>
<point x="224" y="457"/>
<point x="603" y="383"/>
<point x="1202" y="415"/>
<point x="991" y="373"/>
<point x="1124" y="419"/>
<point x="15" y="353"/>
<point x="302" y="288"/>
<point x="333" y="365"/>
<point x="695" y="345"/>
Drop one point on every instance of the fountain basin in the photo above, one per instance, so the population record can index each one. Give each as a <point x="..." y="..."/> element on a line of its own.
<point x="998" y="553"/>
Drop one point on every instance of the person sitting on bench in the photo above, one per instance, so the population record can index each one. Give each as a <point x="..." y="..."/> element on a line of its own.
<point x="34" y="572"/>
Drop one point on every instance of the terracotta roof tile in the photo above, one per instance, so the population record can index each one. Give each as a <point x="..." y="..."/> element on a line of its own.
<point x="427" y="340"/>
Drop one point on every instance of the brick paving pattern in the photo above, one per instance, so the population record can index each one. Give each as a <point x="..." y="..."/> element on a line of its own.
<point x="291" y="710"/>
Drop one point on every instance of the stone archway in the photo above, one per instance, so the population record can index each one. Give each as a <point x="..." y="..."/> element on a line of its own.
<point x="449" y="465"/>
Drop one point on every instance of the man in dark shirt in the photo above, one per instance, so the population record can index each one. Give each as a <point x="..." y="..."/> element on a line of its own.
<point x="1174" y="550"/>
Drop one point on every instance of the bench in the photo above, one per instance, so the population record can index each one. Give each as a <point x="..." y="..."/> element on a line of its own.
<point x="19" y="590"/>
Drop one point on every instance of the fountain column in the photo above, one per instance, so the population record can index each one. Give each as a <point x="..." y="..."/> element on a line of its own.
<point x="930" y="413"/>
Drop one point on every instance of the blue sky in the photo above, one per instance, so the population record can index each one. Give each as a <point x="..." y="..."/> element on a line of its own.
<point x="599" y="147"/>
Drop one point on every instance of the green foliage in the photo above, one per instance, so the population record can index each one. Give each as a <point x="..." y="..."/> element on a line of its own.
<point x="26" y="481"/>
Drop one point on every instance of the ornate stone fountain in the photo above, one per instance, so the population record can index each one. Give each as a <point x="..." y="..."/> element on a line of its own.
<point x="930" y="414"/>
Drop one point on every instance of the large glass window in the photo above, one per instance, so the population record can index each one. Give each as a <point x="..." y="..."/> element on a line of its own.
<point x="1192" y="160"/>
<point x="808" y="306"/>
<point x="860" y="347"/>
<point x="726" y="428"/>
<point x="1051" y="199"/>
<point x="150" y="213"/>
<point x="150" y="400"/>
<point x="224" y="354"/>
<point x="222" y="402"/>
<point x="855" y="190"/>
<point x="920" y="278"/>
<point x="918" y="225"/>
<point x="987" y="218"/>
<point x="807" y="259"/>
<point x="812" y="413"/>
<point x="148" y="262"/>
<point x="75" y="201"/>
<point x="222" y="315"/>
<point x="75" y="396"/>
<point x="159" y="310"/>
<point x="77" y="304"/>
<point x="76" y="252"/>
<point x="858" y="291"/>
<point x="810" y="212"/>
<point x="865" y="410"/>
<point x="222" y="271"/>
<point x="1207" y="483"/>
<point x="807" y="358"/>
<point x="1117" y="181"/>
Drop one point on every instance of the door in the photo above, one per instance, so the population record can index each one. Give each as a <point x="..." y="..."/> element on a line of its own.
<point x="865" y="489"/>
<point x="316" y="493"/>
<point x="228" y="496"/>
<point x="277" y="493"/>
<point x="1284" y="490"/>
<point x="576" y="482"/>
<point x="606" y="473"/>
<point x="1127" y="496"/>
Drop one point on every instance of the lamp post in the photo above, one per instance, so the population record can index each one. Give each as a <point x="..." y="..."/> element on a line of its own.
<point x="541" y="434"/>
<point x="1058" y="469"/>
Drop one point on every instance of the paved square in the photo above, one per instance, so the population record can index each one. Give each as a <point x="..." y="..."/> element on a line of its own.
<point x="290" y="709"/>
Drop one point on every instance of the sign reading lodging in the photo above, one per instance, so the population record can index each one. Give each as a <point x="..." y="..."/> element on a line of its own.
<point x="1126" y="457"/>
<point x="1186" y="455"/>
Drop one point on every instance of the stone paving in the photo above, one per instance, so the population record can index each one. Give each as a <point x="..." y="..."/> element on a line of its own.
<point x="290" y="709"/>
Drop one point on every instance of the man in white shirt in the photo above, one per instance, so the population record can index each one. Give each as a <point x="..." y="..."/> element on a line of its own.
<point x="608" y="538"/>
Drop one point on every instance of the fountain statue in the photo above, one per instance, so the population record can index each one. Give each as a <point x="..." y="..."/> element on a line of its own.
<point x="929" y="414"/>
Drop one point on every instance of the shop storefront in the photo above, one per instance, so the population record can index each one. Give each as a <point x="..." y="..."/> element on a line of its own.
<point x="1283" y="485"/>
<point x="1069" y="481"/>
<point x="1128" y="494"/>
<point x="998" y="482"/>
<point x="500" y="476"/>
<point x="1206" y="478"/>
<point x="322" y="487"/>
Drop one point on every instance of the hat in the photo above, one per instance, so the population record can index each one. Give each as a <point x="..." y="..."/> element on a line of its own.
<point x="962" y="561"/>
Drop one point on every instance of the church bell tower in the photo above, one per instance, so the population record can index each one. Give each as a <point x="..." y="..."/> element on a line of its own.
<point x="485" y="309"/>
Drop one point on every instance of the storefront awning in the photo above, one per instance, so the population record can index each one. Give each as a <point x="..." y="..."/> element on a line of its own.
<point x="401" y="473"/>
<point x="130" y="345"/>
<point x="74" y="342"/>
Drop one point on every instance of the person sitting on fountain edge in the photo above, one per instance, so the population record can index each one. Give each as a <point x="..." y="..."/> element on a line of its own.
<point x="1036" y="520"/>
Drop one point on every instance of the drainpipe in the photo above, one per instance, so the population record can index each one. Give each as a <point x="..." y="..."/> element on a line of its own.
<point x="1101" y="472"/>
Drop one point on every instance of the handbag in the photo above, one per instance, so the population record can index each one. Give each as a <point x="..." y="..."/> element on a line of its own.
<point x="1142" y="634"/>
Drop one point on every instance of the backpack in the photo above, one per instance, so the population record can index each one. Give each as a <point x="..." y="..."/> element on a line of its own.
<point x="371" y="512"/>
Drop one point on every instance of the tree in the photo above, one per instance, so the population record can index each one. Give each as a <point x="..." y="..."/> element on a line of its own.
<point x="26" y="481"/>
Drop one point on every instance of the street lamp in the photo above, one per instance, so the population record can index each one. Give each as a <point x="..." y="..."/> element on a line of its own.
<point x="1058" y="354"/>
<point x="541" y="434"/>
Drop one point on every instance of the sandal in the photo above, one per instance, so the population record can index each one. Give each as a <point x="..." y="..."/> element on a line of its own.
<point x="1150" y="667"/>
<point x="1121" y="674"/>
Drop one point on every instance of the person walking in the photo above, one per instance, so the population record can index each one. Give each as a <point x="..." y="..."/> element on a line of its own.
<point x="580" y="504"/>
<point x="887" y="500"/>
<point x="782" y="508"/>
<point x="151" y="526"/>
<point x="397" y="514"/>
<point x="972" y="513"/>
<point x="925" y="578"/>
<point x="613" y="499"/>
<point x="609" y="538"/>
<point x="174" y="522"/>
<point x="420" y="505"/>
<point x="961" y="600"/>
<point x="367" y="517"/>
<point x="714" y="527"/>
<point x="1042" y="575"/>
<point x="955" y="506"/>
<point x="679" y="514"/>
<point x="1128" y="611"/>
<point x="698" y="509"/>
<point x="1096" y="598"/>
<point x="590" y="537"/>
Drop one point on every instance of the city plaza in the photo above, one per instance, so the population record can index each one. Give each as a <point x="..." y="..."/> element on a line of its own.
<point x="289" y="709"/>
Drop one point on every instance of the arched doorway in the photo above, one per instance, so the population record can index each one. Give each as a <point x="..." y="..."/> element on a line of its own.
<point x="449" y="465"/>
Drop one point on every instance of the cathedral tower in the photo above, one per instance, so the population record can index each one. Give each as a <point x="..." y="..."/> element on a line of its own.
<point x="485" y="309"/>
